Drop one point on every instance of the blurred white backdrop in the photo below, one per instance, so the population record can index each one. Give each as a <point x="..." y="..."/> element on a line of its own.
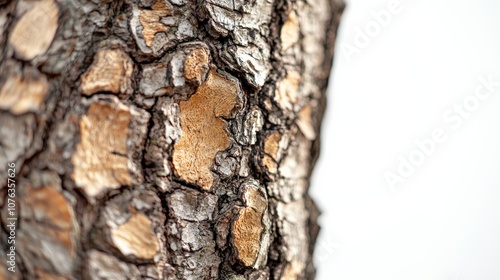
<point x="443" y="221"/>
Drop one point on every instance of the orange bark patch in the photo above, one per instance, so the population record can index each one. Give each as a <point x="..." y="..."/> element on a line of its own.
<point x="196" y="64"/>
<point x="150" y="21"/>
<point x="35" y="31"/>
<point x="136" y="237"/>
<point x="110" y="71"/>
<point x="100" y="161"/>
<point x="290" y="31"/>
<point x="248" y="227"/>
<point x="203" y="133"/>
<point x="20" y="95"/>
<point x="293" y="270"/>
<point x="304" y="122"/>
<point x="51" y="208"/>
<point x="271" y="146"/>
<point x="287" y="91"/>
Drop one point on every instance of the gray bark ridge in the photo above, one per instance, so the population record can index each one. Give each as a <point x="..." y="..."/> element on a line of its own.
<point x="157" y="139"/>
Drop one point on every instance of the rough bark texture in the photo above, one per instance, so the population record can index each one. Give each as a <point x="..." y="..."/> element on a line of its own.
<point x="157" y="139"/>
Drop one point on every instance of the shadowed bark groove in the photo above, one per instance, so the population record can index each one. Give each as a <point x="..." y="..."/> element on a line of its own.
<point x="162" y="139"/>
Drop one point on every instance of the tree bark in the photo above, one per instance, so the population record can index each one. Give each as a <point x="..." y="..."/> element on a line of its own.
<point x="144" y="139"/>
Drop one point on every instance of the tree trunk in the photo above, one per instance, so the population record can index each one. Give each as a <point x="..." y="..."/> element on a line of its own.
<point x="144" y="139"/>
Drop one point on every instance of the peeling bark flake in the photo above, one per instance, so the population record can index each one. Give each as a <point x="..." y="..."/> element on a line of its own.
<point x="249" y="229"/>
<point x="110" y="71"/>
<point x="203" y="133"/>
<point x="34" y="32"/>
<point x="290" y="31"/>
<point x="271" y="147"/>
<point x="287" y="91"/>
<point x="150" y="21"/>
<point x="196" y="64"/>
<point x="136" y="237"/>
<point x="20" y="95"/>
<point x="100" y="161"/>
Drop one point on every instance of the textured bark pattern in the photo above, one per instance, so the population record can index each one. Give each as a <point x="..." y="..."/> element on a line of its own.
<point x="160" y="139"/>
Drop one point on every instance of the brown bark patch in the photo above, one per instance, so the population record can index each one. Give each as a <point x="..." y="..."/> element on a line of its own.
<point x="196" y="64"/>
<point x="110" y="71"/>
<point x="305" y="122"/>
<point x="248" y="227"/>
<point x="136" y="237"/>
<point x="296" y="163"/>
<point x="287" y="91"/>
<point x="100" y="161"/>
<point x="290" y="31"/>
<point x="34" y="32"/>
<point x="203" y="133"/>
<point x="47" y="233"/>
<point x="50" y="208"/>
<point x="150" y="21"/>
<point x="271" y="147"/>
<point x="293" y="270"/>
<point x="20" y="95"/>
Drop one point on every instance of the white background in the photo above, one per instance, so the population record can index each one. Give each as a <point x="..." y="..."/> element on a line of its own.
<point x="443" y="222"/>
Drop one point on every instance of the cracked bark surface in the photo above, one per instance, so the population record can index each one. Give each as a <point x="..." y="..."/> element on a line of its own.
<point x="159" y="139"/>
